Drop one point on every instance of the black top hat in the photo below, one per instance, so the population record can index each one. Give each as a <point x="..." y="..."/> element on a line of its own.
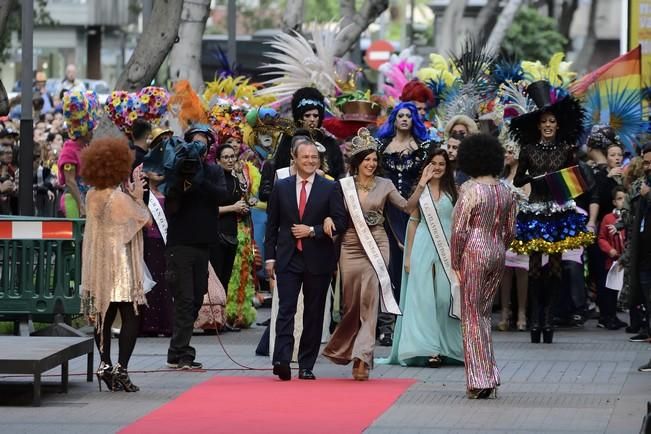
<point x="568" y="112"/>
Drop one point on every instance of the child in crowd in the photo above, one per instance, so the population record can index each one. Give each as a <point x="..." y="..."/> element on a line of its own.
<point x="612" y="241"/>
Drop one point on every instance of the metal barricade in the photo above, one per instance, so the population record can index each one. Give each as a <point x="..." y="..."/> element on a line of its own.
<point x="40" y="268"/>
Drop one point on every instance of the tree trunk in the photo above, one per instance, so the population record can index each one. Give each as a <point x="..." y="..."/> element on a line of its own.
<point x="582" y="60"/>
<point x="185" y="57"/>
<point x="294" y="15"/>
<point x="347" y="11"/>
<point x="502" y="26"/>
<point x="568" y="9"/>
<point x="450" y="28"/>
<point x="6" y="8"/>
<point x="155" y="43"/>
<point x="486" y="20"/>
<point x="357" y="23"/>
<point x="156" y="40"/>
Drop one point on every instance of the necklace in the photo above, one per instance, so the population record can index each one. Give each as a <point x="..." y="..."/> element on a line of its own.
<point x="547" y="146"/>
<point x="365" y="187"/>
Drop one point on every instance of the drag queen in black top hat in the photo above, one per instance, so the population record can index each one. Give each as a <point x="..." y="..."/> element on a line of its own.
<point x="548" y="136"/>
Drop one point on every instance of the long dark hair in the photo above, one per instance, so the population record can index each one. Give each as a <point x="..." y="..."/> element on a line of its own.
<point x="357" y="159"/>
<point x="446" y="184"/>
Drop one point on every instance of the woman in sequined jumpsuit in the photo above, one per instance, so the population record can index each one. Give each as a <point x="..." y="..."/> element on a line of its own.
<point x="404" y="147"/>
<point x="483" y="226"/>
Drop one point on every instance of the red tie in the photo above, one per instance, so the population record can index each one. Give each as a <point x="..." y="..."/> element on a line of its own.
<point x="302" y="199"/>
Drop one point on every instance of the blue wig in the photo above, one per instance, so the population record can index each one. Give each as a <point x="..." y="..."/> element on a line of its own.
<point x="418" y="129"/>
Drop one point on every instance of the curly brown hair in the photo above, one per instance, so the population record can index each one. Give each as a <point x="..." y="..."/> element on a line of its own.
<point x="106" y="162"/>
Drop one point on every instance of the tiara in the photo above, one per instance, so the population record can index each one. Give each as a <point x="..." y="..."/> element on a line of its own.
<point x="309" y="102"/>
<point x="362" y="141"/>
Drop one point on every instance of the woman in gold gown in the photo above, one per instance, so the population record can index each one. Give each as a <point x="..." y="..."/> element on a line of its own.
<point x="112" y="253"/>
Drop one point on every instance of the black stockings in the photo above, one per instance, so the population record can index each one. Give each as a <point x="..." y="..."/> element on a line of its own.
<point x="544" y="287"/>
<point x="128" y="332"/>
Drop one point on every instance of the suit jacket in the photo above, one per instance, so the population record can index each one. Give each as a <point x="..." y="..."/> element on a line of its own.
<point x="325" y="200"/>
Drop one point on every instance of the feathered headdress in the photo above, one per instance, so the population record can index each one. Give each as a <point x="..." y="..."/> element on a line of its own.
<point x="187" y="103"/>
<point x="236" y="90"/>
<point x="618" y="107"/>
<point x="399" y="70"/>
<point x="296" y="65"/>
<point x="474" y="88"/>
<point x="557" y="72"/>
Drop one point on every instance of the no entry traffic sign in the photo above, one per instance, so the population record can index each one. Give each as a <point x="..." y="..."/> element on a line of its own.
<point x="378" y="53"/>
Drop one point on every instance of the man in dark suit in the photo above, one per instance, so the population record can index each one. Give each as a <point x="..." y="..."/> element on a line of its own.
<point x="300" y="254"/>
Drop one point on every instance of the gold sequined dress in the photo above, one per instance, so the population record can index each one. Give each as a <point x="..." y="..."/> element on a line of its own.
<point x="112" y="251"/>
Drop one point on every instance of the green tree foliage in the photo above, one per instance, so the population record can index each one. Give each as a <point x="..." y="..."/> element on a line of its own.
<point x="533" y="36"/>
<point x="41" y="17"/>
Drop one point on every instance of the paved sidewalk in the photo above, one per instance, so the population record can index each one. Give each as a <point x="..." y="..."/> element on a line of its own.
<point x="586" y="382"/>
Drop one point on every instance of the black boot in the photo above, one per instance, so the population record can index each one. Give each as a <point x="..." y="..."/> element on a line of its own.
<point x="534" y="303"/>
<point x="552" y="289"/>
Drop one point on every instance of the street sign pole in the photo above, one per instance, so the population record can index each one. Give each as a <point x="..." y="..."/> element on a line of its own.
<point x="26" y="155"/>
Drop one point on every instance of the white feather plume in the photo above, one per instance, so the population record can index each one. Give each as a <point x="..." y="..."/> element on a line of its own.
<point x="296" y="64"/>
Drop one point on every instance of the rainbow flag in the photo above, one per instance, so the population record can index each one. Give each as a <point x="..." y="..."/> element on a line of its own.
<point x="625" y="70"/>
<point x="566" y="184"/>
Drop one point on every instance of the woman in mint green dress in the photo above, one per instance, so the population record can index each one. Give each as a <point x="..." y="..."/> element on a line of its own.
<point x="426" y="334"/>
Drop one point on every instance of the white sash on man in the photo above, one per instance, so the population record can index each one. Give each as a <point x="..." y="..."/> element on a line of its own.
<point x="387" y="302"/>
<point x="430" y="214"/>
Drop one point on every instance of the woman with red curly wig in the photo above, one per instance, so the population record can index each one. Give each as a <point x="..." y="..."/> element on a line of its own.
<point x="112" y="252"/>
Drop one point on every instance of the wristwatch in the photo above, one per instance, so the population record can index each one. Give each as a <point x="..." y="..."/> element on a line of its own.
<point x="312" y="232"/>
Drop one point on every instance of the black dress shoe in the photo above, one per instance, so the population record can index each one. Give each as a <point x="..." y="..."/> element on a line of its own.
<point x="306" y="374"/>
<point x="282" y="370"/>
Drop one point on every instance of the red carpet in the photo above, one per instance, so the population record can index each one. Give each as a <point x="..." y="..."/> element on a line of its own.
<point x="265" y="404"/>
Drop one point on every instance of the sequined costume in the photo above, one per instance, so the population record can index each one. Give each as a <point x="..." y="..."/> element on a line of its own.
<point x="403" y="170"/>
<point x="544" y="225"/>
<point x="482" y="228"/>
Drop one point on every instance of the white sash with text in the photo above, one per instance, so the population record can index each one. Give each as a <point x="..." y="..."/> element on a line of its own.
<point x="387" y="301"/>
<point x="442" y="245"/>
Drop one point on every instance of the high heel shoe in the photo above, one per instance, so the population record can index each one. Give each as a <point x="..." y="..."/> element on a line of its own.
<point x="522" y="322"/>
<point x="121" y="376"/>
<point x="105" y="374"/>
<point x="435" y="361"/>
<point x="503" y="326"/>
<point x="482" y="393"/>
<point x="535" y="334"/>
<point x="356" y="363"/>
<point x="548" y="335"/>
<point x="361" y="374"/>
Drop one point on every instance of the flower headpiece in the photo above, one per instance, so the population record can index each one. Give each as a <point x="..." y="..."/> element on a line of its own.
<point x="150" y="104"/>
<point x="81" y="111"/>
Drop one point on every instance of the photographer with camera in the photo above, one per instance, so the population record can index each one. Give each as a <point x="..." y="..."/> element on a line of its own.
<point x="195" y="190"/>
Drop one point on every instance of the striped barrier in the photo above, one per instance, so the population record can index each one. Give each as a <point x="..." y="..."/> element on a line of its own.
<point x="40" y="230"/>
<point x="40" y="267"/>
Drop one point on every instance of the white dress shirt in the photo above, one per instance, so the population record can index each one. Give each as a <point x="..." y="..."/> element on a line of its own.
<point x="308" y="187"/>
